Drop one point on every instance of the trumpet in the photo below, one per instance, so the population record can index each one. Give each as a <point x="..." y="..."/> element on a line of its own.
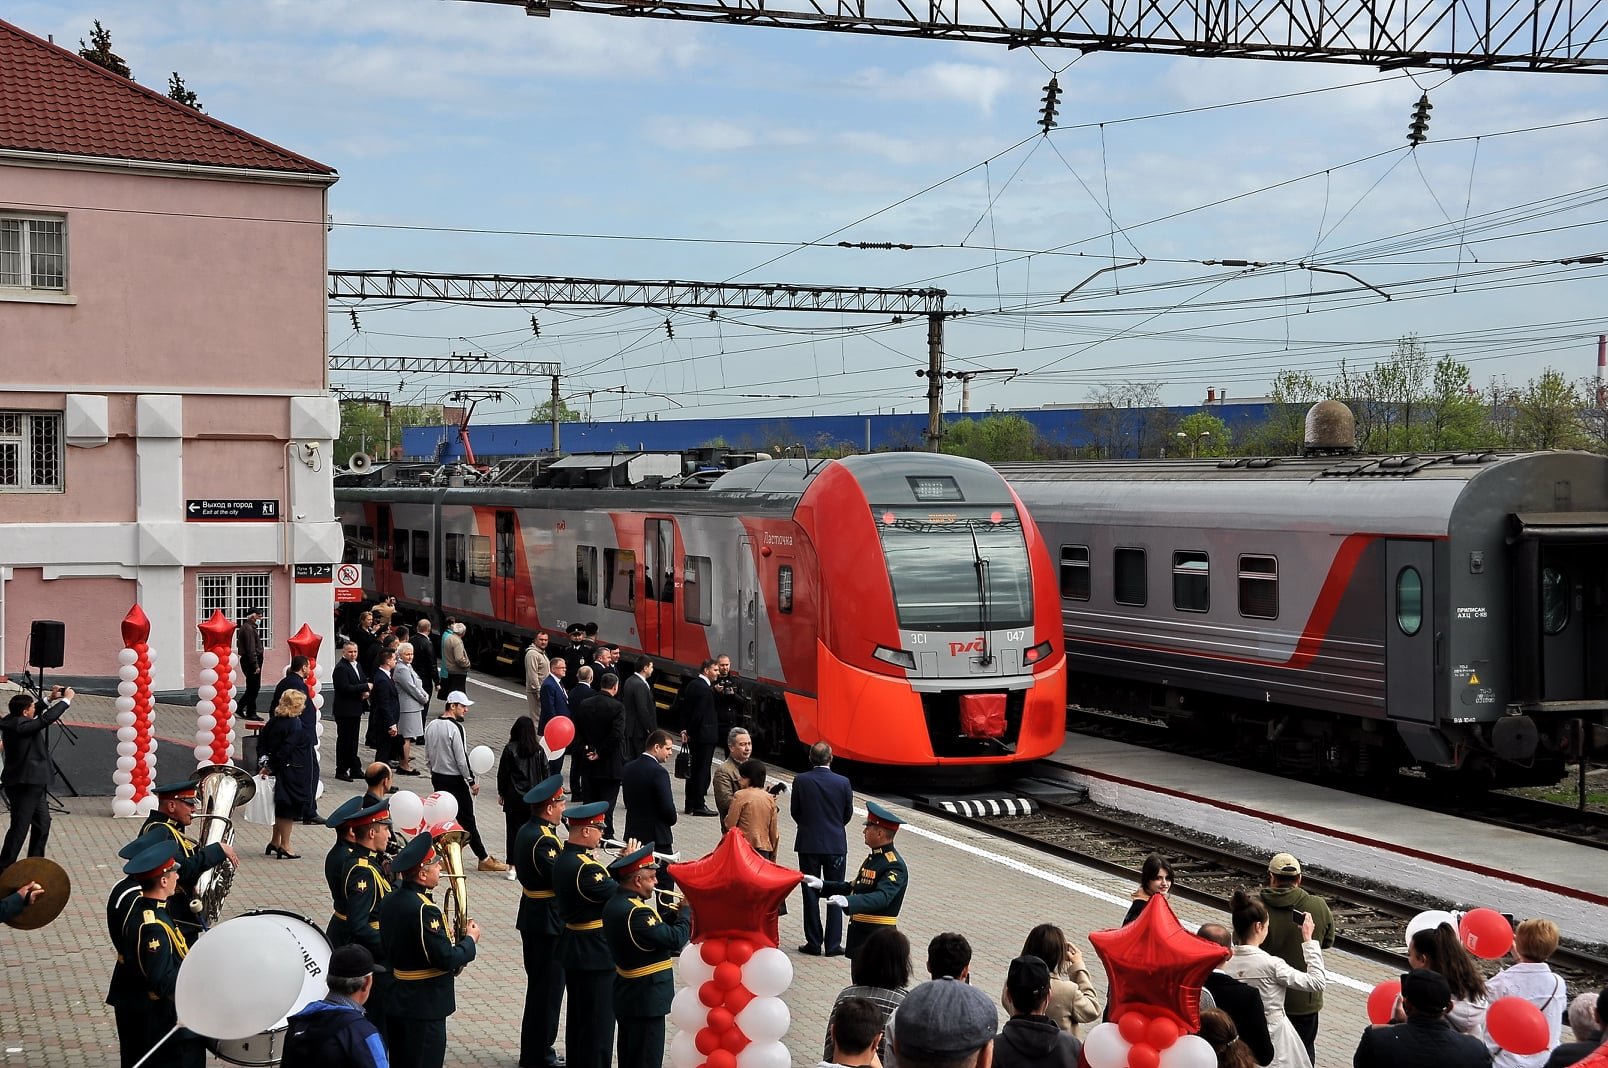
<point x="668" y="899"/>
<point x="615" y="846"/>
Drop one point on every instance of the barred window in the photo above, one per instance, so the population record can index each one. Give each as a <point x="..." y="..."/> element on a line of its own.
<point x="1259" y="587"/>
<point x="33" y="252"/>
<point x="235" y="595"/>
<point x="30" y="451"/>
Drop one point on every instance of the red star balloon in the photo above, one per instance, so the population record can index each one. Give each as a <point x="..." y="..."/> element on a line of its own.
<point x="734" y="891"/>
<point x="136" y="628"/>
<point x="216" y="633"/>
<point x="305" y="643"/>
<point x="1156" y="966"/>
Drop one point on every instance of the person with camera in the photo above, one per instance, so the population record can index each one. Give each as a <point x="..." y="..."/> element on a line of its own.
<point x="27" y="775"/>
<point x="1288" y="905"/>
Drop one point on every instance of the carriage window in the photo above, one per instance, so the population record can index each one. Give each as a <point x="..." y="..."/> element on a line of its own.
<point x="784" y="589"/>
<point x="1192" y="585"/>
<point x="619" y="591"/>
<point x="1554" y="600"/>
<point x="1075" y="572"/>
<point x="586" y="574"/>
<point x="1128" y="577"/>
<point x="455" y="559"/>
<point x="658" y="561"/>
<point x="1409" y="601"/>
<point x="696" y="592"/>
<point x="421" y="552"/>
<point x="382" y="534"/>
<point x="505" y="544"/>
<point x="1259" y="587"/>
<point x="479" y="560"/>
<point x="399" y="549"/>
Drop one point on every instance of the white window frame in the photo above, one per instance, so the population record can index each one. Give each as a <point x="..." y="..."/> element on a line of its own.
<point x="24" y="439"/>
<point x="234" y="593"/>
<point x="24" y="277"/>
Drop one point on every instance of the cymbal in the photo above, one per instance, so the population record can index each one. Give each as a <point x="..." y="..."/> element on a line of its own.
<point x="48" y="905"/>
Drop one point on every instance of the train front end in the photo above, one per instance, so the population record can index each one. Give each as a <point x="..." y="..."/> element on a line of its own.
<point x="939" y="641"/>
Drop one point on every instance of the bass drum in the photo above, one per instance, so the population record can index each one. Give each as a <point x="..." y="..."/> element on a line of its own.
<point x="268" y="1047"/>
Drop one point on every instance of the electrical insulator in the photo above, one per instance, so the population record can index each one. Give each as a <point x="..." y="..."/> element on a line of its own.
<point x="669" y="330"/>
<point x="1418" y="129"/>
<point x="1052" y="100"/>
<point x="355" y="324"/>
<point x="535" y="327"/>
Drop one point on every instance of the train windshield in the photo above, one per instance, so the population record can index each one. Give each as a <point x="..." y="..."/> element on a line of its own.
<point x="957" y="570"/>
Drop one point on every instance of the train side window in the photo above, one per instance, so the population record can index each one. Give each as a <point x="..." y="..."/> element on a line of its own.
<point x="1259" y="587"/>
<point x="421" y="552"/>
<point x="349" y="548"/>
<point x="454" y="559"/>
<point x="586" y="574"/>
<point x="658" y="561"/>
<point x="1075" y="571"/>
<point x="382" y="531"/>
<point x="365" y="547"/>
<point x="1554" y="600"/>
<point x="1409" y="600"/>
<point x="399" y="548"/>
<point x="1128" y="577"/>
<point x="1192" y="581"/>
<point x="619" y="590"/>
<point x="505" y="544"/>
<point x="479" y="560"/>
<point x="784" y="588"/>
<point x="695" y="591"/>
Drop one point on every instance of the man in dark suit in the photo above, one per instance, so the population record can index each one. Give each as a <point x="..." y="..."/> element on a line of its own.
<point x="650" y="807"/>
<point x="1241" y="1001"/>
<point x="27" y="773"/>
<point x="641" y="710"/>
<point x="580" y="691"/>
<point x="700" y="731"/>
<point x="248" y="643"/>
<point x="600" y="731"/>
<point x="385" y="709"/>
<point x="351" y="698"/>
<point x="295" y="679"/>
<point x="822" y="806"/>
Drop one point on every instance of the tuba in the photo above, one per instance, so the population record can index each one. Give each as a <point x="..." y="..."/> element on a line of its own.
<point x="220" y="789"/>
<point x="450" y="839"/>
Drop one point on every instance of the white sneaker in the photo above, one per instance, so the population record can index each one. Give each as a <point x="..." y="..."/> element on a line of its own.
<point x="512" y="875"/>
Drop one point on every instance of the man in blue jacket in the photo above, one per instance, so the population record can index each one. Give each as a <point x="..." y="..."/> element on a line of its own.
<point x="335" y="1032"/>
<point x="823" y="804"/>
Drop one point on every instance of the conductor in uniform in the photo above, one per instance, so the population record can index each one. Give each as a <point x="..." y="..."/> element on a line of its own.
<point x="645" y="946"/>
<point x="873" y="898"/>
<point x="583" y="887"/>
<point x="534" y="851"/>
<point x="424" y="959"/>
<point x="175" y="810"/>
<point x="150" y="951"/>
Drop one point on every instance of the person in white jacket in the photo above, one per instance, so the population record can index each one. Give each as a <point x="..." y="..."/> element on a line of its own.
<point x="1272" y="976"/>
<point x="1534" y="942"/>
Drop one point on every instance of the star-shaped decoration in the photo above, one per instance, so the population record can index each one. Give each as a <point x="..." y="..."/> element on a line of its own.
<point x="652" y="920"/>
<point x="217" y="632"/>
<point x="1155" y="966"/>
<point x="305" y="643"/>
<point x="734" y="891"/>
<point x="136" y="627"/>
<point x="153" y="945"/>
<point x="435" y="925"/>
<point x="893" y="877"/>
<point x="362" y="884"/>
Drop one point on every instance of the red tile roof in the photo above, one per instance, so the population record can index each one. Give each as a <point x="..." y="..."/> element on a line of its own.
<point x="51" y="100"/>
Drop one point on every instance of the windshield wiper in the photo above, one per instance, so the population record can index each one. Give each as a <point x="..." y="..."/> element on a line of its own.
<point x="980" y="562"/>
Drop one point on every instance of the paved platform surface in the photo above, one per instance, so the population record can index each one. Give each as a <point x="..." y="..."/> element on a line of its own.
<point x="1463" y="860"/>
<point x="51" y="1013"/>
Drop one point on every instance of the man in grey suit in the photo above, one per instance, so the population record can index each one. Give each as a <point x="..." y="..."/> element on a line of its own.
<point x="823" y="804"/>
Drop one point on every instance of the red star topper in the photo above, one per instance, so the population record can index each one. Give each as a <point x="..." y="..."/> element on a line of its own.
<point x="305" y="643"/>
<point x="136" y="628"/>
<point x="734" y="892"/>
<point x="1156" y="966"/>
<point x="217" y="633"/>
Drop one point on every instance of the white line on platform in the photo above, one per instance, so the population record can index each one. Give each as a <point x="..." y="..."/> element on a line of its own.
<point x="497" y="689"/>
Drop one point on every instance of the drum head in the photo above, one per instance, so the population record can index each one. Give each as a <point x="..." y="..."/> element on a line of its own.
<point x="261" y="1051"/>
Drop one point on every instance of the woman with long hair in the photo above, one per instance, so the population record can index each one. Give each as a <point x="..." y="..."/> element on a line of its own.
<point x="1155" y="877"/>
<point x="285" y="751"/>
<point x="1072" y="997"/>
<point x="1440" y="950"/>
<point x="1272" y="976"/>
<point x="522" y="766"/>
<point x="880" y="971"/>
<point x="1217" y="1027"/>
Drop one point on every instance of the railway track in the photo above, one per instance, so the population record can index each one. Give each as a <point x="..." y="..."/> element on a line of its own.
<point x="1370" y="921"/>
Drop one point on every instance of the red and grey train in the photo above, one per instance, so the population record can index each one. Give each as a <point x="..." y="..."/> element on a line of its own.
<point x="901" y="607"/>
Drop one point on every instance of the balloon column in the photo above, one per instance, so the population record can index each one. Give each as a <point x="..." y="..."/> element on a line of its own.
<point x="136" y="744"/>
<point x="214" y="706"/>
<point x="1156" y="969"/>
<point x="305" y="643"/>
<point x="730" y="1013"/>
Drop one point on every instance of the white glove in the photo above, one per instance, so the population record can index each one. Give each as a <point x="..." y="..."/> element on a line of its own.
<point x="813" y="882"/>
<point x="839" y="900"/>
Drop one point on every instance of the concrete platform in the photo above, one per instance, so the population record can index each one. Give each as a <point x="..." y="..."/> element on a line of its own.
<point x="1463" y="860"/>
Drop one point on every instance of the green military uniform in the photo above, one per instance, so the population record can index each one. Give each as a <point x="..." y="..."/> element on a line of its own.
<point x="536" y="848"/>
<point x="644" y="947"/>
<point x="365" y="887"/>
<point x="340" y="854"/>
<point x="191" y="865"/>
<point x="150" y="949"/>
<point x="424" y="961"/>
<point x="878" y="889"/>
<point x="583" y="887"/>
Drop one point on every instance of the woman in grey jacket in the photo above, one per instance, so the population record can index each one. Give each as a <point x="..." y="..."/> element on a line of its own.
<point x="412" y="697"/>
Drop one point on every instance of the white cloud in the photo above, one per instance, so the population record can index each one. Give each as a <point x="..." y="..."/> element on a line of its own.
<point x="967" y="83"/>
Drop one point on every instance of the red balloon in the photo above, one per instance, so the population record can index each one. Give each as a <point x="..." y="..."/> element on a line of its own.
<point x="734" y="1040"/>
<point x="739" y="951"/>
<point x="559" y="732"/>
<point x="1162" y="1032"/>
<point x="720" y="1020"/>
<point x="737" y="999"/>
<point x="722" y="1058"/>
<point x="1133" y="1025"/>
<point x="1486" y="933"/>
<point x="710" y="994"/>
<point x="706" y="1040"/>
<point x="713" y="951"/>
<point x="728" y="975"/>
<point x="1382" y="1001"/>
<point x="1517" y="1026"/>
<point x="1143" y="1055"/>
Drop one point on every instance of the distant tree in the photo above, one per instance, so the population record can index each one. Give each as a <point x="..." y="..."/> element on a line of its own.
<point x="1200" y="434"/>
<point x="1547" y="414"/>
<point x="1456" y="417"/>
<point x="99" y="51"/>
<point x="543" y="413"/>
<point x="371" y="428"/>
<point x="1283" y="431"/>
<point x="182" y="93"/>
<point x="1126" y="419"/>
<point x="1593" y="417"/>
<point x="997" y="438"/>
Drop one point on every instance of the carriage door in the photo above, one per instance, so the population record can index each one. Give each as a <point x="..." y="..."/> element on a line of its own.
<point x="745" y="655"/>
<point x="1412" y="646"/>
<point x="382" y="548"/>
<point x="659" y="587"/>
<point x="503" y="582"/>
<point x="1571" y="613"/>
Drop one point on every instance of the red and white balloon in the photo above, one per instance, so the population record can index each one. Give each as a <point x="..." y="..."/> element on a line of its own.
<point x="136" y="742"/>
<point x="215" y="706"/>
<point x="730" y="1013"/>
<point x="305" y="643"/>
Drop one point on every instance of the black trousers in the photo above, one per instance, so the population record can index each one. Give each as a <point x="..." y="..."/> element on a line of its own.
<point x="347" y="730"/>
<point x="30" y="811"/>
<point x="415" y="1043"/>
<point x="544" y="995"/>
<point x="604" y="790"/>
<point x="1306" y="1025"/>
<point x="248" y="701"/>
<point x="142" y="1026"/>
<point x="698" y="776"/>
<point x="458" y="787"/>
<point x="589" y="1024"/>
<point x="827" y="866"/>
<point x="641" y="1042"/>
<point x="515" y="815"/>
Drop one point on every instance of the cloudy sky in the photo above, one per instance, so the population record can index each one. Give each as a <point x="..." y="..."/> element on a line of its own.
<point x="471" y="138"/>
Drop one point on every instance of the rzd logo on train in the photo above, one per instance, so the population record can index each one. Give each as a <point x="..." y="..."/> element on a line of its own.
<point x="973" y="646"/>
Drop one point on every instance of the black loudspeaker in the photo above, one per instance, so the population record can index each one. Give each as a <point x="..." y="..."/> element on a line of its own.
<point x="47" y="643"/>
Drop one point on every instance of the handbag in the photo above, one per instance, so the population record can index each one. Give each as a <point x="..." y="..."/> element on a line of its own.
<point x="683" y="763"/>
<point x="260" y="809"/>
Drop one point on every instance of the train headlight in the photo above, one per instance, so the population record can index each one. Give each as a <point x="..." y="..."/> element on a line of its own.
<point x="1037" y="653"/>
<point x="897" y="657"/>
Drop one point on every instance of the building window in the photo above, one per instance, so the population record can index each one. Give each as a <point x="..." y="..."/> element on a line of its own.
<point x="455" y="559"/>
<point x="1075" y="572"/>
<point x="479" y="560"/>
<point x="586" y="574"/>
<point x="421" y="552"/>
<point x="235" y="595"/>
<point x="33" y="252"/>
<point x="619" y="592"/>
<point x="695" y="591"/>
<point x="1259" y="587"/>
<point x="1192" y="582"/>
<point x="784" y="589"/>
<point x="1128" y="577"/>
<point x="30" y="451"/>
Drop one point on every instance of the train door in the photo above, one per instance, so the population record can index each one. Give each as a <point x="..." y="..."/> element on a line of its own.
<point x="747" y="609"/>
<point x="1571" y="619"/>
<point x="1412" y="650"/>
<point x="659" y="586"/>
<point x="382" y="547"/>
<point x="503" y="580"/>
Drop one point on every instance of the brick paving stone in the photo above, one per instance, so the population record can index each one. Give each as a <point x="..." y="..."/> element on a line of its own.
<point x="52" y="1012"/>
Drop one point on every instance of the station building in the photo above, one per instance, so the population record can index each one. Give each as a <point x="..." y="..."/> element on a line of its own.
<point x="165" y="418"/>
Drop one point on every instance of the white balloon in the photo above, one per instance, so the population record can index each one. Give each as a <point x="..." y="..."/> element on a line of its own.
<point x="1426" y="921"/>
<point x="203" y="708"/>
<point x="146" y="804"/>
<point x="203" y="753"/>
<point x="206" y="693"/>
<point x="318" y="728"/>
<point x="318" y="700"/>
<point x="125" y="749"/>
<point x="127" y="656"/>
<point x="124" y="704"/>
<point x="481" y="759"/>
<point x="765" y="1019"/>
<point x="125" y="790"/>
<point x="768" y="973"/>
<point x="234" y="659"/>
<point x="234" y="706"/>
<point x="127" y="734"/>
<point x="205" y="723"/>
<point x="124" y="808"/>
<point x="209" y="660"/>
<point x="128" y="673"/>
<point x="127" y="689"/>
<point x="440" y="807"/>
<point x="684" y="1050"/>
<point x="557" y="754"/>
<point x="1104" y="1047"/>
<point x="209" y="995"/>
<point x="691" y="967"/>
<point x="686" y="1011"/>
<point x="208" y="677"/>
<point x="230" y="737"/>
<point x="764" y="1055"/>
<point x="407" y="810"/>
<point x="203" y="738"/>
<point x="150" y="755"/>
<point x="1190" y="1051"/>
<point x="319" y="792"/>
<point x="126" y="719"/>
<point x="125" y="763"/>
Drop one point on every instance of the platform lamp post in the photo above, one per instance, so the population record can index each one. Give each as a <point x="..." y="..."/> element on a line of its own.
<point x="1195" y="441"/>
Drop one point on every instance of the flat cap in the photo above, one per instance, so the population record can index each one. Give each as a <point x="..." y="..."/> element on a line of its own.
<point x="183" y="789"/>
<point x="944" y="1019"/>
